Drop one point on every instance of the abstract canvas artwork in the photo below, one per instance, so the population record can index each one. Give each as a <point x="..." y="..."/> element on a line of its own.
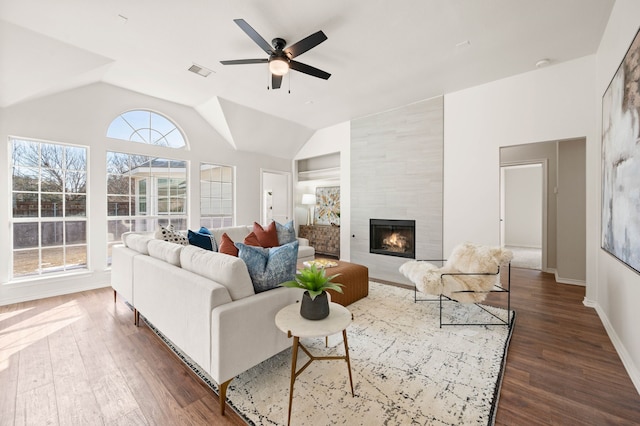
<point x="621" y="161"/>
<point x="327" y="205"/>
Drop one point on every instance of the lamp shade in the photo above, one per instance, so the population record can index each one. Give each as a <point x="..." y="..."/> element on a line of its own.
<point x="308" y="199"/>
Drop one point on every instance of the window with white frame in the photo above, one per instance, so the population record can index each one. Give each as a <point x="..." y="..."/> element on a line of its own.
<point x="49" y="207"/>
<point x="216" y="195"/>
<point x="143" y="193"/>
<point x="146" y="127"/>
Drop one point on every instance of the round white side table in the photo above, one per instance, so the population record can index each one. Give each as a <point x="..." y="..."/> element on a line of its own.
<point x="289" y="320"/>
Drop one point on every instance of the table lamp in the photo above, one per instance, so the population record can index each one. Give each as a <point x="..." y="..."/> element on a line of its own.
<point x="308" y="200"/>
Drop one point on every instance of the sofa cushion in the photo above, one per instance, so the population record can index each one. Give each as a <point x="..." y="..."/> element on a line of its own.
<point x="167" y="233"/>
<point x="286" y="233"/>
<point x="138" y="242"/>
<point x="268" y="237"/>
<point x="202" y="240"/>
<point x="229" y="271"/>
<point x="236" y="233"/>
<point x="227" y="245"/>
<point x="269" y="267"/>
<point x="166" y="251"/>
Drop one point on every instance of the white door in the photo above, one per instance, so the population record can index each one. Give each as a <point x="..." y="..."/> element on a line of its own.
<point x="276" y="196"/>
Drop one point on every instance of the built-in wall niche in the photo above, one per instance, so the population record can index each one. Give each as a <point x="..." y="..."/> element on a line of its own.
<point x="320" y="168"/>
<point x="312" y="173"/>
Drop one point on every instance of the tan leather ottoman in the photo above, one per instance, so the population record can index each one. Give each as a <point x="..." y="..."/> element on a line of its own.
<point x="355" y="279"/>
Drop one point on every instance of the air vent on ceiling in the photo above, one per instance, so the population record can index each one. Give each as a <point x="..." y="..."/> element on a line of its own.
<point x="200" y="70"/>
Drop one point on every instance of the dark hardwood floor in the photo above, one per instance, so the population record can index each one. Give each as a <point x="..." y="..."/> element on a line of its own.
<point x="79" y="360"/>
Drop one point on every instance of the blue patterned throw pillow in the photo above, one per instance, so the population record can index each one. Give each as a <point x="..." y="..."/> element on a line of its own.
<point x="269" y="267"/>
<point x="286" y="233"/>
<point x="202" y="240"/>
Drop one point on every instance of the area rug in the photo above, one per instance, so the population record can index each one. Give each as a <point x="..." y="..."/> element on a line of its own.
<point x="406" y="369"/>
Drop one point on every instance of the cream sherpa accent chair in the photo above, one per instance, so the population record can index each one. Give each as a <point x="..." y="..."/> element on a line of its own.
<point x="468" y="276"/>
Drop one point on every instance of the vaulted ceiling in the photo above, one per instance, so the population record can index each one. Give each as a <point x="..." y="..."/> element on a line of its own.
<point x="381" y="54"/>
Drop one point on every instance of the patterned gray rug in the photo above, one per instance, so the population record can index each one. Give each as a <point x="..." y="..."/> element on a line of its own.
<point x="406" y="370"/>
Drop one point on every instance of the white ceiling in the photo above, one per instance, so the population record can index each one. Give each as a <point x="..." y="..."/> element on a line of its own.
<point x="381" y="54"/>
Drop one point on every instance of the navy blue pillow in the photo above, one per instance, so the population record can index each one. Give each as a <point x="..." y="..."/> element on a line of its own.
<point x="205" y="241"/>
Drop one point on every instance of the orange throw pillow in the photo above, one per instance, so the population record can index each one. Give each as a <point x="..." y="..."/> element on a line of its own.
<point x="267" y="237"/>
<point x="227" y="245"/>
<point x="252" y="240"/>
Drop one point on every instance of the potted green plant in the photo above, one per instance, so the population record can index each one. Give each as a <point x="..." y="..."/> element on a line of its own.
<point x="315" y="304"/>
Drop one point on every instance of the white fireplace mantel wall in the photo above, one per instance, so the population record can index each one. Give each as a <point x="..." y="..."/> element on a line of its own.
<point x="396" y="173"/>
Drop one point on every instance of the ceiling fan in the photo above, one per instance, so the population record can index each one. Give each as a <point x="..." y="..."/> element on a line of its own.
<point x="280" y="59"/>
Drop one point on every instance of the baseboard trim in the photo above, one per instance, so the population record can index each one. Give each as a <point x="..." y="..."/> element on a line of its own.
<point x="627" y="361"/>
<point x="569" y="280"/>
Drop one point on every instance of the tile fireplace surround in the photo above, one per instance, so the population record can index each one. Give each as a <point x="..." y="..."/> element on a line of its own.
<point x="396" y="173"/>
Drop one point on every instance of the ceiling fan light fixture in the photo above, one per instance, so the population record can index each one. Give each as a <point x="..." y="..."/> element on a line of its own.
<point x="278" y="66"/>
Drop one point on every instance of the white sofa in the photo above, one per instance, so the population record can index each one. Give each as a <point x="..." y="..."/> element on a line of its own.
<point x="203" y="302"/>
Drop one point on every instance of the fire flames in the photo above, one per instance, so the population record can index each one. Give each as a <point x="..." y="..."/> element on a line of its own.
<point x="395" y="242"/>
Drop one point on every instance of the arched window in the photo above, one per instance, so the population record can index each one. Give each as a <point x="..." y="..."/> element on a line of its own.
<point x="146" y="127"/>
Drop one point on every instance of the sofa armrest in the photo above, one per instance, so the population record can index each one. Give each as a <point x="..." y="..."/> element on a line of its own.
<point x="179" y="304"/>
<point x="303" y="241"/>
<point x="244" y="333"/>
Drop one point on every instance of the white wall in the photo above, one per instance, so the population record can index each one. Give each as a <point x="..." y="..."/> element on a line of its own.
<point x="617" y="292"/>
<point x="81" y="117"/>
<point x="523" y="206"/>
<point x="326" y="141"/>
<point x="547" y="104"/>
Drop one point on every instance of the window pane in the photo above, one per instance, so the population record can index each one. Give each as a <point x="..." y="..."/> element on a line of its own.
<point x="26" y="153"/>
<point x="52" y="156"/>
<point x="26" y="262"/>
<point x="76" y="205"/>
<point x="227" y="190"/>
<point x="25" y="235"/>
<point x="25" y="179"/>
<point x="25" y="204"/>
<point x="146" y="127"/>
<point x="118" y="184"/>
<point x="51" y="205"/>
<point x="52" y="180"/>
<point x="118" y="205"/>
<point x="76" y="257"/>
<point x="76" y="158"/>
<point x="76" y="182"/>
<point x="180" y="224"/>
<point x="53" y="259"/>
<point x="115" y="229"/>
<point x="52" y="234"/>
<point x="117" y="163"/>
<point x="76" y="232"/>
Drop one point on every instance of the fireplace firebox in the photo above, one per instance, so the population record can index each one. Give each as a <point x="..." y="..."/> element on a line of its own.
<point x="392" y="237"/>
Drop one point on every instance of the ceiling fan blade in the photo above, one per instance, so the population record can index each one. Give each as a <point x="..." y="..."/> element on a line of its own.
<point x="253" y="34"/>
<point x="305" y="44"/>
<point x="276" y="81"/>
<point x="308" y="69"/>
<point x="245" y="61"/>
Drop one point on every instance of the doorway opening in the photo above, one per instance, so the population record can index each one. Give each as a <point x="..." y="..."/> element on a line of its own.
<point x="275" y="201"/>
<point x="523" y="213"/>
